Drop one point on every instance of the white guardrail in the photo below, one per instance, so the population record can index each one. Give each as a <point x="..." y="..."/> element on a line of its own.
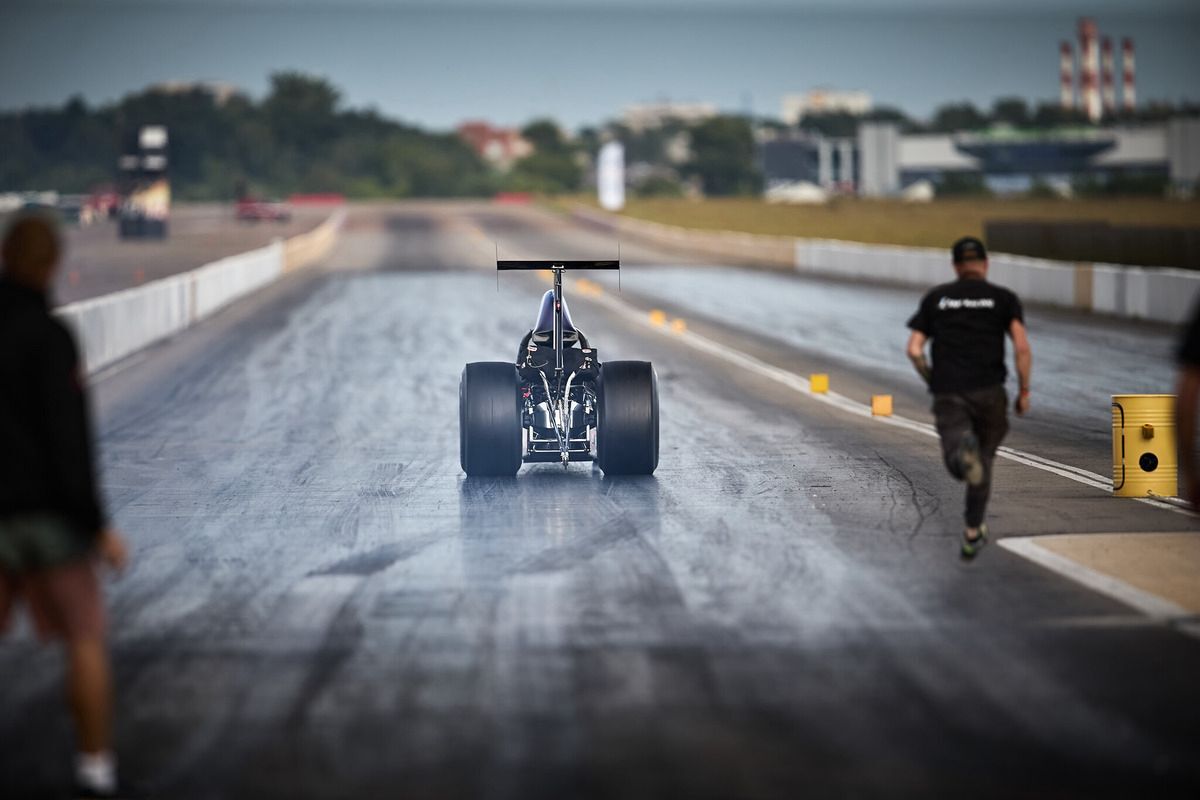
<point x="116" y="325"/>
<point x="1156" y="294"/>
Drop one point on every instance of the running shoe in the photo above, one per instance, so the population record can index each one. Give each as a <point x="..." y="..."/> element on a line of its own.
<point x="971" y="547"/>
<point x="971" y="460"/>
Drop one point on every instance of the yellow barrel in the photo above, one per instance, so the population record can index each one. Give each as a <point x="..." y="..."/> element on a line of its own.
<point x="1144" y="455"/>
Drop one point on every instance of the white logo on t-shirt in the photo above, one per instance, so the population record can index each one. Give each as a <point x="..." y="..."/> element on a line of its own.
<point x="954" y="303"/>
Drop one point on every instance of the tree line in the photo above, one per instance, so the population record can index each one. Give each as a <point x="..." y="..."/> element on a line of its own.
<point x="301" y="138"/>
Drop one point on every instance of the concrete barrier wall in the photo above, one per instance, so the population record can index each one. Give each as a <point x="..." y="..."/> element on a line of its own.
<point x="307" y="248"/>
<point x="1034" y="279"/>
<point x="1160" y="295"/>
<point x="113" y="326"/>
<point x="1170" y="294"/>
<point x="1108" y="290"/>
<point x="218" y="284"/>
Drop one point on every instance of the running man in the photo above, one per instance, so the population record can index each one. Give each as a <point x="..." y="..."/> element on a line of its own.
<point x="52" y="523"/>
<point x="967" y="321"/>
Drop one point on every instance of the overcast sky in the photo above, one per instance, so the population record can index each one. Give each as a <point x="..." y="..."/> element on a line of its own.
<point x="1071" y="6"/>
<point x="582" y="61"/>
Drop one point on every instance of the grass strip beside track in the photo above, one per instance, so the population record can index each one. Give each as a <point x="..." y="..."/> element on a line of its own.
<point x="935" y="224"/>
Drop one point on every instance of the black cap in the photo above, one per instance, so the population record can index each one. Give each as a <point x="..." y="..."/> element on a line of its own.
<point x="968" y="248"/>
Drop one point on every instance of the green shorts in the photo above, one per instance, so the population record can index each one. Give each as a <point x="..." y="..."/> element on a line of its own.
<point x="39" y="540"/>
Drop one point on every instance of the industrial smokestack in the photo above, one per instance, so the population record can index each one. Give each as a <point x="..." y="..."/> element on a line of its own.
<point x="1128" y="87"/>
<point x="1066" y="76"/>
<point x="1089" y="70"/>
<point x="1108" y="86"/>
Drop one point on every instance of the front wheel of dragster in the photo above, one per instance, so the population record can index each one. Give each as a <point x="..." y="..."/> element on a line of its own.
<point x="627" y="418"/>
<point x="489" y="419"/>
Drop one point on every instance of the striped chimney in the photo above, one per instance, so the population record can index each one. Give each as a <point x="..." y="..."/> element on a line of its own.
<point x="1128" y="87"/>
<point x="1066" y="76"/>
<point x="1108" y="84"/>
<point x="1089" y="70"/>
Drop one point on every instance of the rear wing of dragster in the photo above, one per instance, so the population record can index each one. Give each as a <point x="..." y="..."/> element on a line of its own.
<point x="558" y="265"/>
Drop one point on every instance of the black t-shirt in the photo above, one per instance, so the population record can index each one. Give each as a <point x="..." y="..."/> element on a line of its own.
<point x="1188" y="353"/>
<point x="967" y="321"/>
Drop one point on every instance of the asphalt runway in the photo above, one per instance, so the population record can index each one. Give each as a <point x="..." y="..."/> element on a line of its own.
<point x="322" y="605"/>
<point x="98" y="262"/>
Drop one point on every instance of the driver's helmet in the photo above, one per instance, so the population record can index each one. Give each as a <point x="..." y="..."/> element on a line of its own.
<point x="545" y="318"/>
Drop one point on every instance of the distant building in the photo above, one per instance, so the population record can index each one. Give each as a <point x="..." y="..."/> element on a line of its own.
<point x="809" y="158"/>
<point x="824" y="101"/>
<point x="221" y="92"/>
<point x="881" y="161"/>
<point x="647" y="116"/>
<point x="499" y="147"/>
<point x="1014" y="159"/>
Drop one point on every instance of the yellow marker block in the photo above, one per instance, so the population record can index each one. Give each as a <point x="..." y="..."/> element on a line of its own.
<point x="658" y="317"/>
<point x="881" y="405"/>
<point x="678" y="326"/>
<point x="818" y="382"/>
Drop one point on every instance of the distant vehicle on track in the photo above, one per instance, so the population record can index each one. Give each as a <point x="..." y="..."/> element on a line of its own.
<point x="145" y="208"/>
<point x="104" y="202"/>
<point x="251" y="209"/>
<point x="558" y="403"/>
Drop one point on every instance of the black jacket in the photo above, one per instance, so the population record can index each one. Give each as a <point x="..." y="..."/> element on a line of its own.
<point x="46" y="461"/>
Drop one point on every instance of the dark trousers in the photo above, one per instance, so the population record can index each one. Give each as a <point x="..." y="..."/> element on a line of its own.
<point x="984" y="412"/>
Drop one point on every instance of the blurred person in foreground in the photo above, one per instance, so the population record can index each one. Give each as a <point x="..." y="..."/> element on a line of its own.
<point x="967" y="321"/>
<point x="1187" y="397"/>
<point x="52" y="524"/>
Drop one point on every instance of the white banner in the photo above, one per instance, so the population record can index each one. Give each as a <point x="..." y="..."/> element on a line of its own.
<point x="610" y="176"/>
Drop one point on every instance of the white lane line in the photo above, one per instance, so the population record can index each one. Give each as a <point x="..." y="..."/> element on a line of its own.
<point x="1153" y="606"/>
<point x="1080" y="471"/>
<point x="1189" y="627"/>
<point x="845" y="404"/>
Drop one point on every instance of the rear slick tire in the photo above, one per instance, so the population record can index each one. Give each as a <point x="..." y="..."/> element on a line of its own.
<point x="627" y="418"/>
<point x="489" y="419"/>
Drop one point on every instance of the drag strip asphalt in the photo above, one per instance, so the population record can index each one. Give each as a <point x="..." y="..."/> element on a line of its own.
<point x="322" y="605"/>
